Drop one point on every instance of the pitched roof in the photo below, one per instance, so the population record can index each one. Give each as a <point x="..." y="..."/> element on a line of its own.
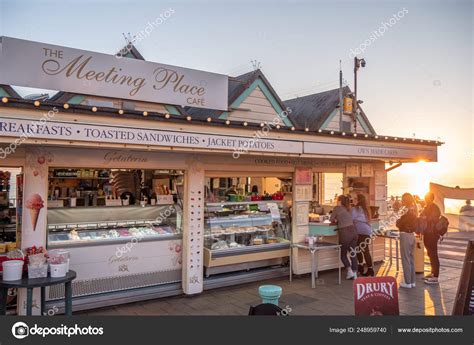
<point x="237" y="85"/>
<point x="312" y="110"/>
<point x="8" y="89"/>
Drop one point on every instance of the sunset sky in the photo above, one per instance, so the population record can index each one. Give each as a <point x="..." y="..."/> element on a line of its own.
<point x="418" y="79"/>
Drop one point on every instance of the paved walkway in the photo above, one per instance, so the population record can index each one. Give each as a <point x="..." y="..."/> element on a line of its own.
<point x="328" y="298"/>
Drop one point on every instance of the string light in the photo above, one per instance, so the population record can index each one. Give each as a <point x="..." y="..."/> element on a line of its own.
<point x="209" y="119"/>
<point x="306" y="129"/>
<point x="293" y="128"/>
<point x="167" y="115"/>
<point x="366" y="135"/>
<point x="227" y="122"/>
<point x="145" y="113"/>
<point x="332" y="132"/>
<point x="37" y="103"/>
<point x="120" y="111"/>
<point x="278" y="126"/>
<point x="320" y="130"/>
<point x="4" y="100"/>
<point x="66" y="106"/>
<point x="343" y="133"/>
<point x="245" y="123"/>
<point x="355" y="134"/>
<point x="376" y="137"/>
<point x="94" y="109"/>
<point x="189" y="118"/>
<point x="262" y="124"/>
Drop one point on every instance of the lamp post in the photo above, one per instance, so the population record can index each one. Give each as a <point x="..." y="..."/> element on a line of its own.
<point x="357" y="64"/>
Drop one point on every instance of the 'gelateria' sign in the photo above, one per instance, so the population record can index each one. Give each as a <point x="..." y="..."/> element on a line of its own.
<point x="34" y="64"/>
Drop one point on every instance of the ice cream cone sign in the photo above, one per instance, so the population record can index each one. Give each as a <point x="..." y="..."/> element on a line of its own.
<point x="34" y="204"/>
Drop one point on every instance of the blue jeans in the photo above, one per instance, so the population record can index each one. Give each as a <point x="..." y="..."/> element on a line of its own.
<point x="348" y="241"/>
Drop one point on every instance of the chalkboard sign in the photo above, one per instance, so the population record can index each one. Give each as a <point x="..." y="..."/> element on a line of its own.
<point x="464" y="302"/>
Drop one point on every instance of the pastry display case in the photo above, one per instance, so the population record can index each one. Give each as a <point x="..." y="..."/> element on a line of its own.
<point x="244" y="232"/>
<point x="86" y="226"/>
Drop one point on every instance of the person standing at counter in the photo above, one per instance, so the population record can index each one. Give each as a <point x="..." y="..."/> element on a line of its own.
<point x="361" y="217"/>
<point x="407" y="225"/>
<point x="431" y="214"/>
<point x="341" y="215"/>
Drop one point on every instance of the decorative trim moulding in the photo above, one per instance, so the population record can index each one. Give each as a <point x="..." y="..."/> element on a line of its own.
<point x="24" y="129"/>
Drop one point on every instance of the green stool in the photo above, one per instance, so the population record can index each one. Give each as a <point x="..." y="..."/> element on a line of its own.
<point x="270" y="293"/>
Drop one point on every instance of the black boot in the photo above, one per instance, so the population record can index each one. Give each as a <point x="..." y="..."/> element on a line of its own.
<point x="370" y="272"/>
<point x="361" y="269"/>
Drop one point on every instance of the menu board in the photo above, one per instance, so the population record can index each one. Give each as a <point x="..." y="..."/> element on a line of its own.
<point x="464" y="302"/>
<point x="352" y="170"/>
<point x="380" y="177"/>
<point x="302" y="213"/>
<point x="367" y="170"/>
<point x="303" y="193"/>
<point x="303" y="176"/>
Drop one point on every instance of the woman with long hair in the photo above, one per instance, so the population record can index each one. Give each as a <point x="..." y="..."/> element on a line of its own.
<point x="407" y="224"/>
<point x="361" y="216"/>
<point x="341" y="215"/>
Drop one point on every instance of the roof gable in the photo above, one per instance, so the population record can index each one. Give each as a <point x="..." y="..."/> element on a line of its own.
<point x="254" y="100"/>
<point x="316" y="111"/>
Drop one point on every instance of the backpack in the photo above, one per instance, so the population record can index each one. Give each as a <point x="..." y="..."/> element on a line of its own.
<point x="441" y="226"/>
<point x="421" y="225"/>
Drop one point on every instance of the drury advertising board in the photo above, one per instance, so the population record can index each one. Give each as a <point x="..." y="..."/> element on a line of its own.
<point x="52" y="67"/>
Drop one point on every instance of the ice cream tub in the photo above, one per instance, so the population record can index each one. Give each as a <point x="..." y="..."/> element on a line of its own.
<point x="12" y="269"/>
<point x="58" y="270"/>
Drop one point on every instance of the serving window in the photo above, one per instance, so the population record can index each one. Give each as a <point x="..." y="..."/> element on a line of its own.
<point x="100" y="206"/>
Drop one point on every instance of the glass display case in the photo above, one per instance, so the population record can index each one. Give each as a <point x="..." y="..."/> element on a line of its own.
<point x="244" y="227"/>
<point x="107" y="225"/>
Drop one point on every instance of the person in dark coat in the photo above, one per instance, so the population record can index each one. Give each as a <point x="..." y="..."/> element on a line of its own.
<point x="431" y="214"/>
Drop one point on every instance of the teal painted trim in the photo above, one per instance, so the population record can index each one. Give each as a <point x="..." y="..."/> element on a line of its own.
<point x="243" y="96"/>
<point x="224" y="115"/>
<point x="3" y="93"/>
<point x="364" y="125"/>
<point x="172" y="110"/>
<point x="329" y="118"/>
<point x="76" y="99"/>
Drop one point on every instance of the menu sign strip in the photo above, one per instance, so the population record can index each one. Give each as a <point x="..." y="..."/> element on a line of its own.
<point x="52" y="67"/>
<point x="19" y="128"/>
<point x="382" y="151"/>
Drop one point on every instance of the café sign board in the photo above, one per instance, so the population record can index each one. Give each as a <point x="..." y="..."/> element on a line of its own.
<point x="52" y="67"/>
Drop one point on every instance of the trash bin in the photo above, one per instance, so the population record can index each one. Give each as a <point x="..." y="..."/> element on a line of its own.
<point x="419" y="255"/>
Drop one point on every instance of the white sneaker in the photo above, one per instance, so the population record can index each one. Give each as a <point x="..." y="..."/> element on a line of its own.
<point x="432" y="281"/>
<point x="350" y="274"/>
<point x="413" y="285"/>
<point x="405" y="285"/>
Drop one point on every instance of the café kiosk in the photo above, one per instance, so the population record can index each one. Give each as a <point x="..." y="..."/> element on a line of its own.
<point x="151" y="239"/>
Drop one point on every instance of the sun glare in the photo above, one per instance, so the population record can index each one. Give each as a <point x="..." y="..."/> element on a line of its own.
<point x="420" y="177"/>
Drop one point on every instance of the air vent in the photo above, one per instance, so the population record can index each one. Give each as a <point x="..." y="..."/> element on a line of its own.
<point x="118" y="283"/>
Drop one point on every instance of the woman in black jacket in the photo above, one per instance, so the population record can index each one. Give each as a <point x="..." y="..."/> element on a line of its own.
<point x="431" y="214"/>
<point x="407" y="225"/>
